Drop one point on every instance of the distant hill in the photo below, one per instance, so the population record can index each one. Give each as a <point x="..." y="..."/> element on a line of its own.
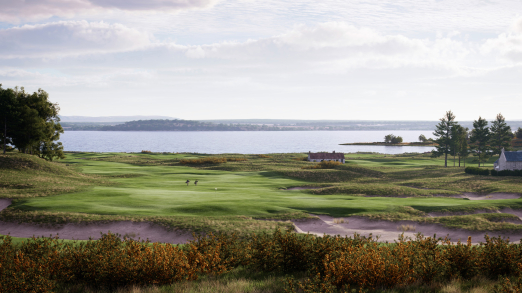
<point x="110" y="118"/>
<point x="256" y="125"/>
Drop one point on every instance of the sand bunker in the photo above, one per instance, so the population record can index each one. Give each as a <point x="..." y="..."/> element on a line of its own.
<point x="83" y="231"/>
<point x="4" y="203"/>
<point x="491" y="196"/>
<point x="388" y="231"/>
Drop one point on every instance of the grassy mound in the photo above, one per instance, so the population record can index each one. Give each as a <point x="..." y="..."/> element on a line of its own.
<point x="24" y="175"/>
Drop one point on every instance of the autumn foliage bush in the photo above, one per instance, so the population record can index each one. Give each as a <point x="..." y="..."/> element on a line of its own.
<point x="331" y="263"/>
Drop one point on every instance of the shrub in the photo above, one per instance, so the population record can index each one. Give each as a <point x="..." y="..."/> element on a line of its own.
<point x="146" y="152"/>
<point x="506" y="173"/>
<point x="476" y="171"/>
<point x="208" y="160"/>
<point x="324" y="165"/>
<point x="236" y="159"/>
<point x="331" y="263"/>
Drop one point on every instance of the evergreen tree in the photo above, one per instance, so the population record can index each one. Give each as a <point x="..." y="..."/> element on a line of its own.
<point x="479" y="139"/>
<point x="459" y="137"/>
<point x="500" y="135"/>
<point x="518" y="133"/>
<point x="443" y="136"/>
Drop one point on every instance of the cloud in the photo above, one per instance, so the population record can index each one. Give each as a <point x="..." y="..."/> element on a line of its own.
<point x="69" y="38"/>
<point x="508" y="45"/>
<point x="13" y="11"/>
<point x="336" y="43"/>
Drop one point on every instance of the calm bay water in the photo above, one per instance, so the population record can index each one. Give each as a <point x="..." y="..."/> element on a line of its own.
<point x="244" y="142"/>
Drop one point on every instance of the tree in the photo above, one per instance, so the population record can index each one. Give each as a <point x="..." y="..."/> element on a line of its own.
<point x="479" y="139"/>
<point x="396" y="139"/>
<point x="34" y="125"/>
<point x="8" y="115"/>
<point x="389" y="138"/>
<point x="459" y="145"/>
<point x="443" y="136"/>
<point x="422" y="138"/>
<point x="500" y="135"/>
<point x="518" y="133"/>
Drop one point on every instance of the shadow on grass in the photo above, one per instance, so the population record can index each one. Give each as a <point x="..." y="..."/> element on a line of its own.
<point x="332" y="211"/>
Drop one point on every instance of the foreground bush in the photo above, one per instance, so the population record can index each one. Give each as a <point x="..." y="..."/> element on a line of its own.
<point x="330" y="263"/>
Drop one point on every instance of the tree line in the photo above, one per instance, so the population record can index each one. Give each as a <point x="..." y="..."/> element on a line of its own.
<point x="482" y="141"/>
<point x="30" y="123"/>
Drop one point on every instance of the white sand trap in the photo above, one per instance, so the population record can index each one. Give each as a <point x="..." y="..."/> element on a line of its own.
<point x="83" y="231"/>
<point x="491" y="196"/>
<point x="5" y="202"/>
<point x="387" y="230"/>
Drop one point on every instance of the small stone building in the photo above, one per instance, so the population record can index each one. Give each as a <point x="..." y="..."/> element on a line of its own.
<point x="319" y="157"/>
<point x="509" y="161"/>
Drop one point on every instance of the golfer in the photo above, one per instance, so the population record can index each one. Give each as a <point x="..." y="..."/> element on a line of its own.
<point x="188" y="181"/>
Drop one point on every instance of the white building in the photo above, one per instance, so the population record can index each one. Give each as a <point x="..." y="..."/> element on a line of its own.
<point x="319" y="157"/>
<point x="509" y="161"/>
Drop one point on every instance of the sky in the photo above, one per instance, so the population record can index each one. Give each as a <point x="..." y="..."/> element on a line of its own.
<point x="239" y="59"/>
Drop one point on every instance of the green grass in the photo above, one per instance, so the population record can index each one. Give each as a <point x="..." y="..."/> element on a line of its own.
<point x="233" y="195"/>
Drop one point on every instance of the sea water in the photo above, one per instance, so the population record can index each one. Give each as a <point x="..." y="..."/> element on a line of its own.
<point x="243" y="142"/>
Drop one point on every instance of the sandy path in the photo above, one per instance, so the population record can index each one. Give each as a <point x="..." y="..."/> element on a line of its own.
<point x="387" y="230"/>
<point x="83" y="231"/>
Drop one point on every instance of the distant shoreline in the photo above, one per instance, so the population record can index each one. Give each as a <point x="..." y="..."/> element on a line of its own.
<point x="422" y="144"/>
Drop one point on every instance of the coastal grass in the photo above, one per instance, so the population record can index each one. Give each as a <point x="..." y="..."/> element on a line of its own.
<point x="24" y="176"/>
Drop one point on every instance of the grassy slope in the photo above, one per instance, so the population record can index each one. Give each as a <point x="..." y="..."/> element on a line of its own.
<point x="152" y="185"/>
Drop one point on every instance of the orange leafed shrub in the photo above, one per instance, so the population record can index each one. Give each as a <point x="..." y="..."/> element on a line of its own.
<point x="332" y="263"/>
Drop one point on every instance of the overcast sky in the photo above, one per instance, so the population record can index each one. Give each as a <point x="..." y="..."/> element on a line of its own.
<point x="299" y="59"/>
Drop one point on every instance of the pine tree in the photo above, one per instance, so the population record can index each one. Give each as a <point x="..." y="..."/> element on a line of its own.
<point x="500" y="135"/>
<point x="460" y="142"/>
<point x="443" y="136"/>
<point x="479" y="139"/>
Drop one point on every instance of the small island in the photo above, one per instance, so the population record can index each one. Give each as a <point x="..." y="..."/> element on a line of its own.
<point x="392" y="140"/>
<point x="426" y="144"/>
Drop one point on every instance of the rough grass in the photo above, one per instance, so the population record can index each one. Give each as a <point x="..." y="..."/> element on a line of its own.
<point x="24" y="176"/>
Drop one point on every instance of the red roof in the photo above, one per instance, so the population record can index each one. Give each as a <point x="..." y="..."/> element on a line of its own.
<point x="326" y="156"/>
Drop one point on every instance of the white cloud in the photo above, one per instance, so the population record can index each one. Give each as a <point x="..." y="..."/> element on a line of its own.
<point x="508" y="45"/>
<point x="69" y="38"/>
<point x="14" y="11"/>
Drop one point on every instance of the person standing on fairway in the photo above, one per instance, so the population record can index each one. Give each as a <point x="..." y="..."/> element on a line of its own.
<point x="188" y="181"/>
<point x="196" y="182"/>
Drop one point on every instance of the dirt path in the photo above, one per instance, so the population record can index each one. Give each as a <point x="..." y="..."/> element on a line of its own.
<point x="388" y="231"/>
<point x="83" y="231"/>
